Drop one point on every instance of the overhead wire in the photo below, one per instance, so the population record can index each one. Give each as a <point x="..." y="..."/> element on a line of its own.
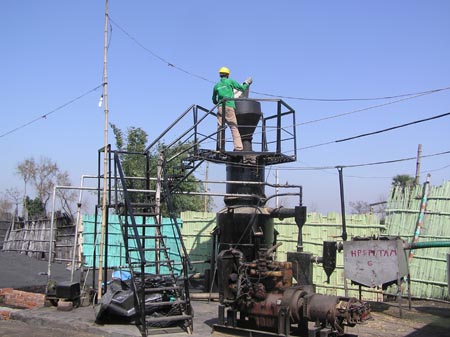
<point x="171" y="64"/>
<point x="376" y="132"/>
<point x="168" y="63"/>
<point x="370" y="107"/>
<point x="44" y="116"/>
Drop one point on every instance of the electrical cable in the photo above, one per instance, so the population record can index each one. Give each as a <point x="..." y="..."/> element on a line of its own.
<point x="51" y="112"/>
<point x="170" y="64"/>
<point x="353" y="99"/>
<point x="376" y="132"/>
<point x="367" y="108"/>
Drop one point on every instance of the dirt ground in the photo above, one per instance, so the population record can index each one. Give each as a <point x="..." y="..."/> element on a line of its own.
<point x="426" y="319"/>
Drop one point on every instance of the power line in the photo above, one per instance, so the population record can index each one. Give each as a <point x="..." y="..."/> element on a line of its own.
<point x="369" y="108"/>
<point x="51" y="112"/>
<point x="376" y="132"/>
<point x="170" y="64"/>
<point x="316" y="168"/>
<point x="393" y="127"/>
<point x="354" y="99"/>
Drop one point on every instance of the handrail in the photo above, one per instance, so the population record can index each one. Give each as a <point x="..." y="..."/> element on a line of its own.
<point x="129" y="207"/>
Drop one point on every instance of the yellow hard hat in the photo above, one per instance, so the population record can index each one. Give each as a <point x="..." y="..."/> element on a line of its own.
<point x="224" y="70"/>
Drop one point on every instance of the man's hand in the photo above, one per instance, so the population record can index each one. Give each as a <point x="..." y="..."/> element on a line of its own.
<point x="248" y="81"/>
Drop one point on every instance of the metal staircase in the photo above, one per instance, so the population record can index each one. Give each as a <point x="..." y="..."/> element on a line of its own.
<point x="160" y="291"/>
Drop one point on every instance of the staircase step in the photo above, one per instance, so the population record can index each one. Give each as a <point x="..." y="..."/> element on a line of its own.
<point x="146" y="214"/>
<point x="156" y="290"/>
<point x="153" y="225"/>
<point x="140" y="237"/>
<point x="182" y="317"/>
<point x="149" y="249"/>
<point x="143" y="205"/>
<point x="164" y="304"/>
<point x="160" y="262"/>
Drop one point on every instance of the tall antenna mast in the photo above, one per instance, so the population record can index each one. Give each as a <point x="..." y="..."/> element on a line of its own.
<point x="105" y="151"/>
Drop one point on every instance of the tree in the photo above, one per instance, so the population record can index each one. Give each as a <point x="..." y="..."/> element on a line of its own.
<point x="26" y="170"/>
<point x="36" y="208"/>
<point x="5" y="208"/>
<point x="359" y="207"/>
<point x="133" y="159"/>
<point x="44" y="175"/>
<point x="67" y="198"/>
<point x="403" y="183"/>
<point x="11" y="198"/>
<point x="403" y="180"/>
<point x="134" y="164"/>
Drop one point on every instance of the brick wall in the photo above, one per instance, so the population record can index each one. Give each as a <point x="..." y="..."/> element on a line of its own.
<point x="21" y="299"/>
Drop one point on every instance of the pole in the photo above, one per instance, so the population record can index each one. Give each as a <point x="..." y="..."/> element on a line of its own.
<point x="423" y="208"/>
<point x="419" y="155"/>
<point x="105" y="153"/>
<point x="341" y="188"/>
<point x="206" y="187"/>
<point x="277" y="202"/>
<point x="344" y="225"/>
<point x="418" y="229"/>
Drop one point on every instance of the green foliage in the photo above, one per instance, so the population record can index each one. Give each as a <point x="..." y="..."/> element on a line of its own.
<point x="36" y="208"/>
<point x="135" y="162"/>
<point x="403" y="180"/>
<point x="180" y="183"/>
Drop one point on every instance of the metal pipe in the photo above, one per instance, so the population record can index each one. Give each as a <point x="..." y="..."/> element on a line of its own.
<point x="426" y="244"/>
<point x="341" y="188"/>
<point x="50" y="248"/>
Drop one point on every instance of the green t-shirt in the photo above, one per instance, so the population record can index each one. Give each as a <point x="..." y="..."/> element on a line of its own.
<point x="224" y="89"/>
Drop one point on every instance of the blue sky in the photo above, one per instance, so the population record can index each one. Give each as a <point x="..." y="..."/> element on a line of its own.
<point x="52" y="53"/>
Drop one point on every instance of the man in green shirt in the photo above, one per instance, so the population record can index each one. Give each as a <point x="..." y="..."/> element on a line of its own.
<point x="223" y="90"/>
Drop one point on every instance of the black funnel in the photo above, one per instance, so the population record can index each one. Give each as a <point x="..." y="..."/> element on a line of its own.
<point x="248" y="114"/>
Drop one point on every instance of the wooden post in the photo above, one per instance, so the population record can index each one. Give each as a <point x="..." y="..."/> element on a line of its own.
<point x="419" y="155"/>
<point x="105" y="154"/>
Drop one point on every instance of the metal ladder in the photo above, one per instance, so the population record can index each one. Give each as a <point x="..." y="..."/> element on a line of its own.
<point x="161" y="295"/>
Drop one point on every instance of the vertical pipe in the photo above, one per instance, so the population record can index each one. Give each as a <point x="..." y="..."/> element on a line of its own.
<point x="206" y="188"/>
<point x="277" y="188"/>
<point x="294" y="125"/>
<point x="50" y="248"/>
<point x="78" y="224"/>
<point x="94" y="249"/>
<point x="448" y="272"/>
<point x="278" y="127"/>
<point x="341" y="188"/>
<point x="158" y="209"/>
